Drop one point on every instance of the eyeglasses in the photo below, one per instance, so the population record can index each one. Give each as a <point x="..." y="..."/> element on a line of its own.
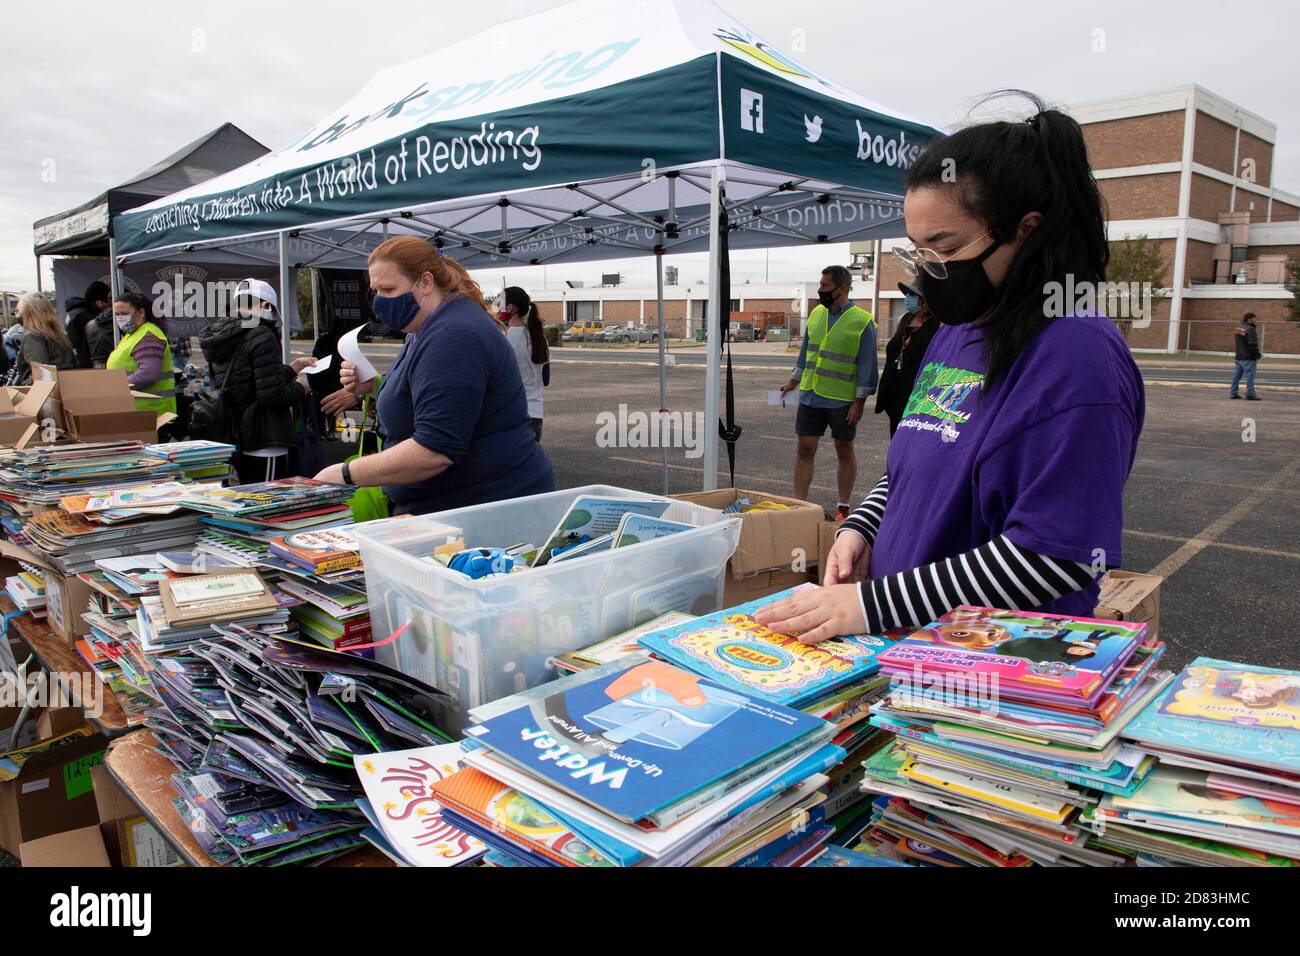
<point x="934" y="264"/>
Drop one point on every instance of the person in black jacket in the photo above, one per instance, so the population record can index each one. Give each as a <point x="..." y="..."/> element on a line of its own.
<point x="261" y="391"/>
<point x="1248" y="355"/>
<point x="903" y="357"/>
<point x="83" y="310"/>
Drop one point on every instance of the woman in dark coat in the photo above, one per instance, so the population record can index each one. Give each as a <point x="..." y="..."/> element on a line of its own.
<point x="903" y="357"/>
<point x="261" y="392"/>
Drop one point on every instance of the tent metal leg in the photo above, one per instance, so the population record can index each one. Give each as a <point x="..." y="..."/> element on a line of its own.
<point x="285" y="292"/>
<point x="39" y="280"/>
<point x="663" y="368"/>
<point x="713" y="370"/>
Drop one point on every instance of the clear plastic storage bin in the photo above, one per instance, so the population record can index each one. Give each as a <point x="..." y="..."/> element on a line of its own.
<point x="484" y="639"/>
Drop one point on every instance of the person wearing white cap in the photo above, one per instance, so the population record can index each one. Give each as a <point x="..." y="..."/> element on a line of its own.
<point x="244" y="359"/>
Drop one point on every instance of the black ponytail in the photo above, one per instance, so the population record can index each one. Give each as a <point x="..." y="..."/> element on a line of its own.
<point x="518" y="299"/>
<point x="1002" y="171"/>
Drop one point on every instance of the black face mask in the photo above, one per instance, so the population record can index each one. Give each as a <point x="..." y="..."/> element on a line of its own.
<point x="826" y="298"/>
<point x="965" y="295"/>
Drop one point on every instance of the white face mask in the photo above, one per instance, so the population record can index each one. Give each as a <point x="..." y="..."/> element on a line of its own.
<point x="123" y="322"/>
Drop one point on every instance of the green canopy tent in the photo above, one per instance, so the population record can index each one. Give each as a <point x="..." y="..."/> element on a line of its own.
<point x="594" y="130"/>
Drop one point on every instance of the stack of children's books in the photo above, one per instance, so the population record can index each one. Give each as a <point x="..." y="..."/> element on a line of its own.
<point x="265" y="733"/>
<point x="48" y="473"/>
<point x="836" y="680"/>
<point x="27" y="590"/>
<point x="240" y="523"/>
<point x="1226" y="791"/>
<point x="640" y="763"/>
<point x="1008" y="731"/>
<point x="322" y="571"/>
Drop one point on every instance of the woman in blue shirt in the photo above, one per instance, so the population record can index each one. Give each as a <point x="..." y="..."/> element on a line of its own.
<point x="452" y="411"/>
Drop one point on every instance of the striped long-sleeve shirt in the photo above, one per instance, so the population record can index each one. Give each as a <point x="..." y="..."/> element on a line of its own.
<point x="998" y="573"/>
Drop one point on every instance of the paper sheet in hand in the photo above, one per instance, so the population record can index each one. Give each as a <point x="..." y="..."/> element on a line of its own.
<point x="776" y="397"/>
<point x="324" y="363"/>
<point x="350" y="350"/>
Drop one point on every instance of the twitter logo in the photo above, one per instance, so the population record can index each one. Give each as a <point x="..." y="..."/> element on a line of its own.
<point x="814" y="127"/>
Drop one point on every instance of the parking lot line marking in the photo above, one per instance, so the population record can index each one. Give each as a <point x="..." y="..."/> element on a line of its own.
<point x="1267" y="552"/>
<point x="1170" y="565"/>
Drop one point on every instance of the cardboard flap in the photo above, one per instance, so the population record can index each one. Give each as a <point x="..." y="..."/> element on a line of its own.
<point x="45" y="373"/>
<point x="95" y="390"/>
<point x="37" y="394"/>
<point x="80" y="847"/>
<point x="10" y="550"/>
<point x="166" y="418"/>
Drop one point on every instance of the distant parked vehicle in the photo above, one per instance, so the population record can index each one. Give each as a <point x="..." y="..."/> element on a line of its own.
<point x="741" y="332"/>
<point x="588" y="330"/>
<point x="644" y="333"/>
<point x="615" y="333"/>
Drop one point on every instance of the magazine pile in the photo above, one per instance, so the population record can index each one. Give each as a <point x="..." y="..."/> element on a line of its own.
<point x="295" y="530"/>
<point x="1226" y="790"/>
<point x="1009" y="732"/>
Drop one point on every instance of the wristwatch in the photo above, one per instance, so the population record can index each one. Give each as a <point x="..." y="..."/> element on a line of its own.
<point x="347" y="474"/>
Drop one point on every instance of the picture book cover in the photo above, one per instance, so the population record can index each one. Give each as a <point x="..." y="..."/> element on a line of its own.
<point x="1182" y="792"/>
<point x="641" y="737"/>
<point x="1030" y="654"/>
<point x="635" y="528"/>
<point x="327" y="546"/>
<point x="590" y="517"/>
<point x="521" y="820"/>
<point x="626" y="644"/>
<point x="399" y="786"/>
<point x="730" y="647"/>
<point x="1235" y="712"/>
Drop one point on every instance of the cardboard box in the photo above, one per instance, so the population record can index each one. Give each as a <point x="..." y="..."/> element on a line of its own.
<point x="131" y="840"/>
<point x="751" y="587"/>
<point x="66" y="598"/>
<point x="83" y="846"/>
<point x="54" y="790"/>
<point x="1131" y="596"/>
<point x="769" y="540"/>
<point x="825" y="541"/>
<point x="24" y="419"/>
<point x="98" y="405"/>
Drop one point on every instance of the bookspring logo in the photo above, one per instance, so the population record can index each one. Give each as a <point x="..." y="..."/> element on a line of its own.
<point x="76" y="909"/>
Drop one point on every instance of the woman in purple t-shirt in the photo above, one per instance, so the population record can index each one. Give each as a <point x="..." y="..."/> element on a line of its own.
<point x="1004" y="483"/>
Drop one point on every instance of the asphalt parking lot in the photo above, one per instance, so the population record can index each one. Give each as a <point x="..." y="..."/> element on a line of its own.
<point x="1216" y="513"/>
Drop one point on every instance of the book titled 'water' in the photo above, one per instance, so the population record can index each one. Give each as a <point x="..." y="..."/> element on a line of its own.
<point x="641" y="738"/>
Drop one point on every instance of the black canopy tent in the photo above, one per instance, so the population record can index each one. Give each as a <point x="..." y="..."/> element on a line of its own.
<point x="87" y="229"/>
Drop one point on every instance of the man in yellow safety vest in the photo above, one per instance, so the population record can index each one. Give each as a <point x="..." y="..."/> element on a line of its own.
<point x="835" y="373"/>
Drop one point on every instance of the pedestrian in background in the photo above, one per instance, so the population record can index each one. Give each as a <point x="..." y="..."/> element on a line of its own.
<point x="1248" y="356"/>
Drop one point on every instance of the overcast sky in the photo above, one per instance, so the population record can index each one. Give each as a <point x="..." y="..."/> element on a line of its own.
<point x="97" y="92"/>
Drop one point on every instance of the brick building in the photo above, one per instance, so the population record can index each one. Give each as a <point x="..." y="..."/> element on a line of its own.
<point x="1186" y="169"/>
<point x="1193" y="173"/>
<point x="685" y="306"/>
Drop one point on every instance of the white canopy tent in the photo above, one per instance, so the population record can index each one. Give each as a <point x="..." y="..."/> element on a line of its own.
<point x="643" y="123"/>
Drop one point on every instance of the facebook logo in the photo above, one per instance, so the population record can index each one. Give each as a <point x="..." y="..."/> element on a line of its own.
<point x="751" y="111"/>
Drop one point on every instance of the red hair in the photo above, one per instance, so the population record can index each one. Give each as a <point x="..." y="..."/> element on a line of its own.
<point x="413" y="257"/>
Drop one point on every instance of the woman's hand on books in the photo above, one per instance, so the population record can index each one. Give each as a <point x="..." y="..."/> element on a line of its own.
<point x="817" y="614"/>
<point x="849" y="560"/>
<point x="348" y="378"/>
